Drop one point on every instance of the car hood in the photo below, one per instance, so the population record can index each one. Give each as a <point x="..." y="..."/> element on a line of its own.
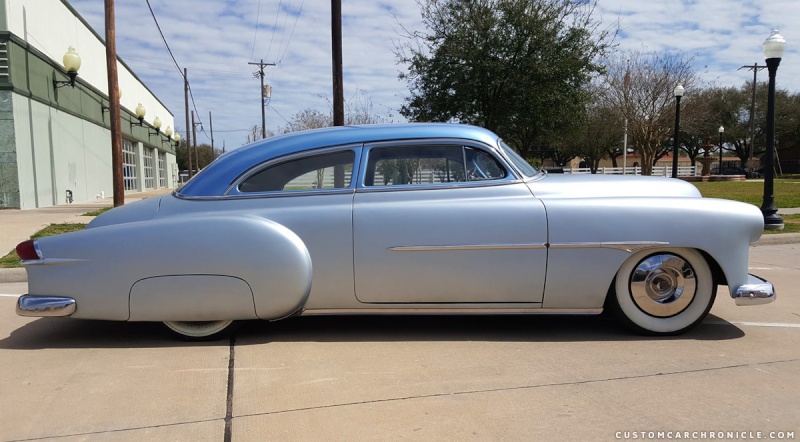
<point x="604" y="186"/>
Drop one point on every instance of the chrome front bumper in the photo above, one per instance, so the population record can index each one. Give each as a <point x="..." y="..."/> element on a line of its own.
<point x="29" y="305"/>
<point x="756" y="291"/>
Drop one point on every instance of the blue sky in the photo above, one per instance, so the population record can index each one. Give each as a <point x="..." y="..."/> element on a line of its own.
<point x="216" y="39"/>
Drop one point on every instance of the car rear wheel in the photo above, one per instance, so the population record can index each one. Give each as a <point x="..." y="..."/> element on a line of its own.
<point x="202" y="330"/>
<point x="663" y="292"/>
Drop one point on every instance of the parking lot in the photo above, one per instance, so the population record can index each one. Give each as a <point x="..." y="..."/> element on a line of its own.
<point x="409" y="378"/>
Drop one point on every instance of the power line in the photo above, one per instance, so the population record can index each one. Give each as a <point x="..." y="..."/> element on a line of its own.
<point x="279" y="114"/>
<point x="255" y="34"/>
<point x="274" y="26"/>
<point x="162" y="37"/>
<point x="299" y="11"/>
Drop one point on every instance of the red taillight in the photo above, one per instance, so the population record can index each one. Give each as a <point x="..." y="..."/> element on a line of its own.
<point x="27" y="250"/>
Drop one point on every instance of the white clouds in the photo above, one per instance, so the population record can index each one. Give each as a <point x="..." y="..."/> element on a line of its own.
<point x="214" y="40"/>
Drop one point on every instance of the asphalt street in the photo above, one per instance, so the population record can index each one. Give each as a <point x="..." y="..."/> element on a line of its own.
<point x="410" y="378"/>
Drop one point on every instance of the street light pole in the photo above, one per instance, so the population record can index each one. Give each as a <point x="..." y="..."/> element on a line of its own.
<point x="678" y="91"/>
<point x="773" y="52"/>
<point x="721" y="131"/>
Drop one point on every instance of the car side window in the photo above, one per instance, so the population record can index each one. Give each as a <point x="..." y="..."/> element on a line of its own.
<point x="327" y="171"/>
<point x="402" y="165"/>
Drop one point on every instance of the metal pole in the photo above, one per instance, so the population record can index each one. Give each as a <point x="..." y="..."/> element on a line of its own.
<point x="772" y="221"/>
<point x="720" y="154"/>
<point x="753" y="117"/>
<point x="186" y="111"/>
<point x="675" y="146"/>
<point x="113" y="106"/>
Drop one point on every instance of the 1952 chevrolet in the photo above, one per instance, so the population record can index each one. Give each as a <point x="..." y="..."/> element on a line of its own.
<point x="412" y="218"/>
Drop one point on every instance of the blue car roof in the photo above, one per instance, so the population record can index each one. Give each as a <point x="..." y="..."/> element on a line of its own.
<point x="217" y="177"/>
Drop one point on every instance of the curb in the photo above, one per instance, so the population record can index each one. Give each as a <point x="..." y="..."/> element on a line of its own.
<point x="13" y="275"/>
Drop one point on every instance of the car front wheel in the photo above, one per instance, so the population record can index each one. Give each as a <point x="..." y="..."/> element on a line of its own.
<point x="663" y="292"/>
<point x="202" y="330"/>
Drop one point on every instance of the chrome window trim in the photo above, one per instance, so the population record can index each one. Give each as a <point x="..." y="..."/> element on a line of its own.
<point x="512" y="175"/>
<point x="233" y="189"/>
<point x="252" y="195"/>
<point x="437" y="186"/>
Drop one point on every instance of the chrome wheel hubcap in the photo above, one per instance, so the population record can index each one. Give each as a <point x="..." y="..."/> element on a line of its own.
<point x="663" y="285"/>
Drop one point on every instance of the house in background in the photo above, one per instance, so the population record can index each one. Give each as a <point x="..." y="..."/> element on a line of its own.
<point x="55" y="140"/>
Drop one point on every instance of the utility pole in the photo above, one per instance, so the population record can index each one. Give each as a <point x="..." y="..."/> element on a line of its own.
<point x="260" y="74"/>
<point x="194" y="140"/>
<point x="755" y="68"/>
<point x="338" y="84"/>
<point x="189" y="137"/>
<point x="113" y="106"/>
<point x="211" y="126"/>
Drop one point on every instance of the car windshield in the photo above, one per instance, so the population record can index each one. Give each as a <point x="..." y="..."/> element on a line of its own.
<point x="519" y="162"/>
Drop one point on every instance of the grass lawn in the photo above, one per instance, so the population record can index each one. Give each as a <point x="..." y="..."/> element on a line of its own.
<point x="787" y="191"/>
<point x="12" y="260"/>
<point x="98" y="211"/>
<point x="791" y="224"/>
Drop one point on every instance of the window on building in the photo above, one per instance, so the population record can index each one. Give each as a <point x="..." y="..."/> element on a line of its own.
<point x="149" y="170"/>
<point x="129" y="177"/>
<point x="162" y="170"/>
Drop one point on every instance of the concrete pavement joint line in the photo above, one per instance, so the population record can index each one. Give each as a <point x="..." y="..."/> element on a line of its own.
<point x="118" y="430"/>
<point x="229" y="398"/>
<point x="523" y="387"/>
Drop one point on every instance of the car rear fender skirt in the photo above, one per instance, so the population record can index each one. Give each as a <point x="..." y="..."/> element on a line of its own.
<point x="191" y="298"/>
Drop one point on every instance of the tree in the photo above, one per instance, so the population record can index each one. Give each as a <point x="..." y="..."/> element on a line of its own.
<point x="204" y="152"/>
<point x="640" y="86"/>
<point x="600" y="131"/>
<point x="516" y="67"/>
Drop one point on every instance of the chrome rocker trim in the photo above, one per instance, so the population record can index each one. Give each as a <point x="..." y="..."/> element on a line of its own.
<point x="28" y="305"/>
<point x="757" y="291"/>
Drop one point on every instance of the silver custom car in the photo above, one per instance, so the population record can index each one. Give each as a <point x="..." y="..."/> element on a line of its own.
<point x="415" y="218"/>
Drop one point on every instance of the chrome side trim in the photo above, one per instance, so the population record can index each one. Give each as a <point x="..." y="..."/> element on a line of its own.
<point x="627" y="246"/>
<point x="49" y="261"/>
<point x="756" y="291"/>
<point x="451" y="311"/>
<point x="466" y="247"/>
<point x="28" y="305"/>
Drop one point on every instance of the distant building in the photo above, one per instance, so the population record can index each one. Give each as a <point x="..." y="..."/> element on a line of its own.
<point x="55" y="140"/>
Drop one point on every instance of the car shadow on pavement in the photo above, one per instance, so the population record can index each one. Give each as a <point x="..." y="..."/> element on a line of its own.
<point x="64" y="333"/>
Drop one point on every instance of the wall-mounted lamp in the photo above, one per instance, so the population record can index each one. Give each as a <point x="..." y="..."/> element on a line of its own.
<point x="168" y="133"/>
<point x="140" y="113"/>
<point x="177" y="139"/>
<point x="72" y="62"/>
<point x="157" y="126"/>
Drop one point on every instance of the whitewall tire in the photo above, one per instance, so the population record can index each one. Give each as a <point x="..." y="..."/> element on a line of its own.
<point x="664" y="291"/>
<point x="202" y="330"/>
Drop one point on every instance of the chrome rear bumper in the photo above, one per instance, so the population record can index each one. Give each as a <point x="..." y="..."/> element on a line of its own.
<point x="756" y="291"/>
<point x="29" y="305"/>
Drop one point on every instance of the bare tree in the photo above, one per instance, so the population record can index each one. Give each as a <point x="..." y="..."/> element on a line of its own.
<point x="640" y="86"/>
